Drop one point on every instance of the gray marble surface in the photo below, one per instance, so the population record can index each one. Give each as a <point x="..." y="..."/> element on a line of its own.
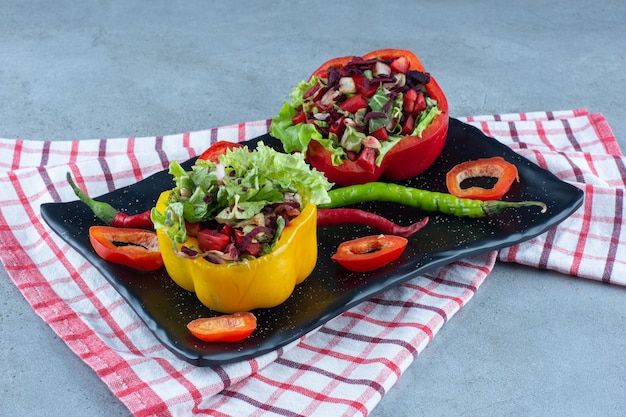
<point x="530" y="343"/>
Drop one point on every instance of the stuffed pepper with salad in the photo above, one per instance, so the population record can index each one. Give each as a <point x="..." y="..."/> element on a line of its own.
<point x="358" y="119"/>
<point x="240" y="230"/>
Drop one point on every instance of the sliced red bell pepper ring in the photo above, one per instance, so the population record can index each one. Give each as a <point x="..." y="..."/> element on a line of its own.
<point x="495" y="167"/>
<point x="420" y="151"/>
<point x="136" y="248"/>
<point x="368" y="253"/>
<point x="226" y="328"/>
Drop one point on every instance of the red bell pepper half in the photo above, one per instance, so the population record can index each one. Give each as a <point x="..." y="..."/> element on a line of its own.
<point x="136" y="248"/>
<point x="368" y="253"/>
<point x="495" y="167"/>
<point x="405" y="150"/>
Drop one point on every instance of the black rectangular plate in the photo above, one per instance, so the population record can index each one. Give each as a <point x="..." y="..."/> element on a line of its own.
<point x="329" y="290"/>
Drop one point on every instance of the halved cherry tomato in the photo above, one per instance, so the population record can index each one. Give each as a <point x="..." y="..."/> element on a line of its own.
<point x="226" y="328"/>
<point x="213" y="152"/>
<point x="495" y="167"/>
<point x="370" y="252"/>
<point x="136" y="248"/>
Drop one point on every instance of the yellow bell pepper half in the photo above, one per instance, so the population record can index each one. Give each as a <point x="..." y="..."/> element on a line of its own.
<point x="264" y="282"/>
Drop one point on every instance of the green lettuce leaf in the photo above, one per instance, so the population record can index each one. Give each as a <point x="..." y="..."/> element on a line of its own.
<point x="376" y="103"/>
<point x="238" y="188"/>
<point x="294" y="137"/>
<point x="288" y="172"/>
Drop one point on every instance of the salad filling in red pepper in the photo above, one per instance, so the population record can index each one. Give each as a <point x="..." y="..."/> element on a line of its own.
<point x="356" y="115"/>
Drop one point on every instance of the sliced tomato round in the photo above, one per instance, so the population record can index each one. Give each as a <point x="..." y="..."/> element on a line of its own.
<point x="226" y="328"/>
<point x="368" y="253"/>
<point x="213" y="152"/>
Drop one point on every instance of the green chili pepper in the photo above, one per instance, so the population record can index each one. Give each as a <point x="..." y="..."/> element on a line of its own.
<point x="423" y="199"/>
<point x="109" y="214"/>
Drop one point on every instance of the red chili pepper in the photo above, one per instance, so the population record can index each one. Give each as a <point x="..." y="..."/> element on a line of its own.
<point x="139" y="220"/>
<point x="136" y="248"/>
<point x="370" y="252"/>
<point x="339" y="216"/>
<point x="109" y="214"/>
<point x="495" y="167"/>
<point x="227" y="328"/>
<point x="220" y="147"/>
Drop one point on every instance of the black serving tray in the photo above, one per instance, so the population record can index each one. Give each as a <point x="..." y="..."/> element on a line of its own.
<point x="329" y="290"/>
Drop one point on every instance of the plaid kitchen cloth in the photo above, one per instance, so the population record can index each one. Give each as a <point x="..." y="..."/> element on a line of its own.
<point x="345" y="366"/>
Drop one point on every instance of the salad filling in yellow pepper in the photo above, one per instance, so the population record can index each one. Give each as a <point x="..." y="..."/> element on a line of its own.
<point x="241" y="233"/>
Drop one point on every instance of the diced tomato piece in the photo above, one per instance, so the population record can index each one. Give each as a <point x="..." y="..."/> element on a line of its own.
<point x="299" y="118"/>
<point x="380" y="134"/>
<point x="226" y="229"/>
<point x="367" y="159"/>
<point x="400" y="64"/>
<point x="238" y="235"/>
<point x="420" y="104"/>
<point x="209" y="239"/>
<point x="408" y="125"/>
<point x="337" y="126"/>
<point x="408" y="101"/>
<point x="192" y="228"/>
<point x="254" y="248"/>
<point x="364" y="86"/>
<point x="354" y="103"/>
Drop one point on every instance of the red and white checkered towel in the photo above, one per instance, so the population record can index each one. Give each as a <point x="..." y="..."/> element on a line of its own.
<point x="347" y="365"/>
